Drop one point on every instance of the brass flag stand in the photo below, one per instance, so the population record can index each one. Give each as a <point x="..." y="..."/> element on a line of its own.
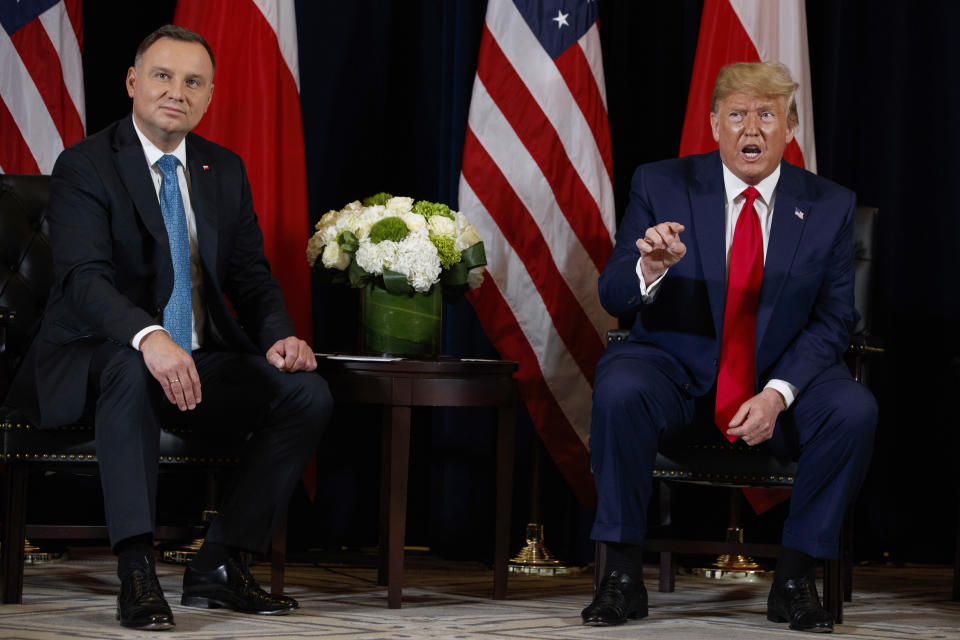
<point x="535" y="559"/>
<point x="732" y="566"/>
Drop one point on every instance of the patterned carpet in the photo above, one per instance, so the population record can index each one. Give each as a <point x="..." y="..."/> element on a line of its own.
<point x="75" y="598"/>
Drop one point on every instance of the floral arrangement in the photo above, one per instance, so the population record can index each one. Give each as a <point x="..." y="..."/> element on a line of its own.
<point x="408" y="246"/>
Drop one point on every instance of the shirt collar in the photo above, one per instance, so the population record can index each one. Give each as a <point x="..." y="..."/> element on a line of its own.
<point x="734" y="186"/>
<point x="153" y="154"/>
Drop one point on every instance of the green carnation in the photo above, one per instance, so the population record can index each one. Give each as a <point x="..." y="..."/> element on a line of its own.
<point x="448" y="255"/>
<point x="378" y="199"/>
<point x="430" y="209"/>
<point x="391" y="228"/>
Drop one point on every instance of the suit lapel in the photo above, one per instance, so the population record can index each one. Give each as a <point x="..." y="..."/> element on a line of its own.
<point x="203" y="181"/>
<point x="706" y="204"/>
<point x="789" y="215"/>
<point x="133" y="171"/>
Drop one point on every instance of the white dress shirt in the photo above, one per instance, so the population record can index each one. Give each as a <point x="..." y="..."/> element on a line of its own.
<point x="733" y="188"/>
<point x="152" y="154"/>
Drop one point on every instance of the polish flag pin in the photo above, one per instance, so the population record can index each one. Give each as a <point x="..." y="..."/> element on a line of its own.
<point x="206" y="167"/>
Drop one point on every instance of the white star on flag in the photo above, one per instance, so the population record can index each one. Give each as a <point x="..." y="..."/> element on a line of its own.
<point x="561" y="19"/>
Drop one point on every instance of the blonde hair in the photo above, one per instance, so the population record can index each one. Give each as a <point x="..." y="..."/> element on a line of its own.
<point x="757" y="79"/>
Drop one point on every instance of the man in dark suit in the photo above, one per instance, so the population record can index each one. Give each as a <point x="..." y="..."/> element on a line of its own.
<point x="740" y="269"/>
<point x="151" y="226"/>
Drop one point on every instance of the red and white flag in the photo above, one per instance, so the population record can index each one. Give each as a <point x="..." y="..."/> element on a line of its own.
<point x="41" y="83"/>
<point x="536" y="181"/>
<point x="255" y="112"/>
<point x="750" y="31"/>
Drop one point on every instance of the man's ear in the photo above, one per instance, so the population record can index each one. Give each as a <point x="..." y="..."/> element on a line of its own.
<point x="715" y="126"/>
<point x="131" y="80"/>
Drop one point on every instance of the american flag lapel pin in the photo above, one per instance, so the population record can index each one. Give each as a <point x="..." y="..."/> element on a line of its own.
<point x="798" y="213"/>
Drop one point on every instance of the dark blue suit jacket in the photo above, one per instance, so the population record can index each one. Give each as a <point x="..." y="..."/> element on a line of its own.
<point x="806" y="309"/>
<point x="114" y="271"/>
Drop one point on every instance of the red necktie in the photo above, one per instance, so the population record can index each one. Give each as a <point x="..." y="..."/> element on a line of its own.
<point x="735" y="382"/>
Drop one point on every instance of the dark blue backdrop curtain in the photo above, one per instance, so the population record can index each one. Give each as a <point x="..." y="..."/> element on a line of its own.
<point x="385" y="88"/>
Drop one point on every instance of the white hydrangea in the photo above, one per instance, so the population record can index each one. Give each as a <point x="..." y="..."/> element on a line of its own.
<point x="418" y="260"/>
<point x="442" y="226"/>
<point x="374" y="258"/>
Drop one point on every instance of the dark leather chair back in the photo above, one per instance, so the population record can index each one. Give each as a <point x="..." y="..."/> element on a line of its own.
<point x="26" y="263"/>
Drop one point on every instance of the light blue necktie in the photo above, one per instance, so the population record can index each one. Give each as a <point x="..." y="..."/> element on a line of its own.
<point x="178" y="314"/>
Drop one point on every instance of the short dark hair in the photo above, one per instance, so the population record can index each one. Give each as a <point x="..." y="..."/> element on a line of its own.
<point x="173" y="32"/>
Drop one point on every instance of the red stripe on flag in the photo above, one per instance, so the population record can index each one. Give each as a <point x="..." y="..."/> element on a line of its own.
<point x="75" y="13"/>
<point x="559" y="438"/>
<point x="521" y="231"/>
<point x="264" y="127"/>
<point x="42" y="62"/>
<point x="15" y="155"/>
<point x="521" y="110"/>
<point x="575" y="69"/>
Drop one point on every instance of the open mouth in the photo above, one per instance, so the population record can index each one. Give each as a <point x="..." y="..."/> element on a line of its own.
<point x="751" y="152"/>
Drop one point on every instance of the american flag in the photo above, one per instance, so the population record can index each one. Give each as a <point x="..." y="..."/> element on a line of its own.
<point x="536" y="181"/>
<point x="41" y="82"/>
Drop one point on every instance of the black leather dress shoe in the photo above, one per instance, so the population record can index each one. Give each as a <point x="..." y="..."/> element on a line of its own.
<point x="796" y="601"/>
<point x="230" y="586"/>
<point x="141" y="604"/>
<point x="620" y="597"/>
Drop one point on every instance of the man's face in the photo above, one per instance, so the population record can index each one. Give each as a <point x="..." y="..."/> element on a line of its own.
<point x="753" y="133"/>
<point x="171" y="90"/>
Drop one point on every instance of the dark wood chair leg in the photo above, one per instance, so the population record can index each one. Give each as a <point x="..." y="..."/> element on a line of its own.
<point x="599" y="564"/>
<point x="846" y="555"/>
<point x="833" y="589"/>
<point x="278" y="557"/>
<point x="506" y="445"/>
<point x="668" y="561"/>
<point x="14" y="532"/>
<point x="956" y="566"/>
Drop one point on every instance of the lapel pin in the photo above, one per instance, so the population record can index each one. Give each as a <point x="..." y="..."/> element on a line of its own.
<point x="798" y="213"/>
<point x="206" y="167"/>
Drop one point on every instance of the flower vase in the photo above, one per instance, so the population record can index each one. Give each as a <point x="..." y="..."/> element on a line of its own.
<point x="400" y="324"/>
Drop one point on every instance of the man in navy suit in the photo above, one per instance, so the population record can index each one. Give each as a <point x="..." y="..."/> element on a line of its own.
<point x="151" y="227"/>
<point x="739" y="267"/>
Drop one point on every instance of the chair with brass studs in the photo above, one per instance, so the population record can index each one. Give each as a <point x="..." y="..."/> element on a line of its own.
<point x="26" y="275"/>
<point x="713" y="461"/>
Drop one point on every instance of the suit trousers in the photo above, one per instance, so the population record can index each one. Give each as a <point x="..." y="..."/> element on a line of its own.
<point x="829" y="430"/>
<point x="283" y="413"/>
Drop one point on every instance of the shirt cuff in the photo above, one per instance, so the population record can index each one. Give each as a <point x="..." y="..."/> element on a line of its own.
<point x="140" y="335"/>
<point x="648" y="293"/>
<point x="787" y="390"/>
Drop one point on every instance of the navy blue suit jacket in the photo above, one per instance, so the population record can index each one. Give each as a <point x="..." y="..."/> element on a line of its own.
<point x="806" y="309"/>
<point x="114" y="273"/>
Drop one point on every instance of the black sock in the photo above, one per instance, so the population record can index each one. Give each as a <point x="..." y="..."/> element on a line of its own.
<point x="132" y="553"/>
<point x="794" y="564"/>
<point x="626" y="558"/>
<point x="211" y="555"/>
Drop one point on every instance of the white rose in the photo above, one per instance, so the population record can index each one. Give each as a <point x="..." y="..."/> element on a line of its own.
<point x="475" y="277"/>
<point x="414" y="221"/>
<point x="400" y="204"/>
<point x="442" y="226"/>
<point x="335" y="258"/>
<point x="329" y="218"/>
<point x="353" y="206"/>
<point x="468" y="237"/>
<point x="314" y="247"/>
